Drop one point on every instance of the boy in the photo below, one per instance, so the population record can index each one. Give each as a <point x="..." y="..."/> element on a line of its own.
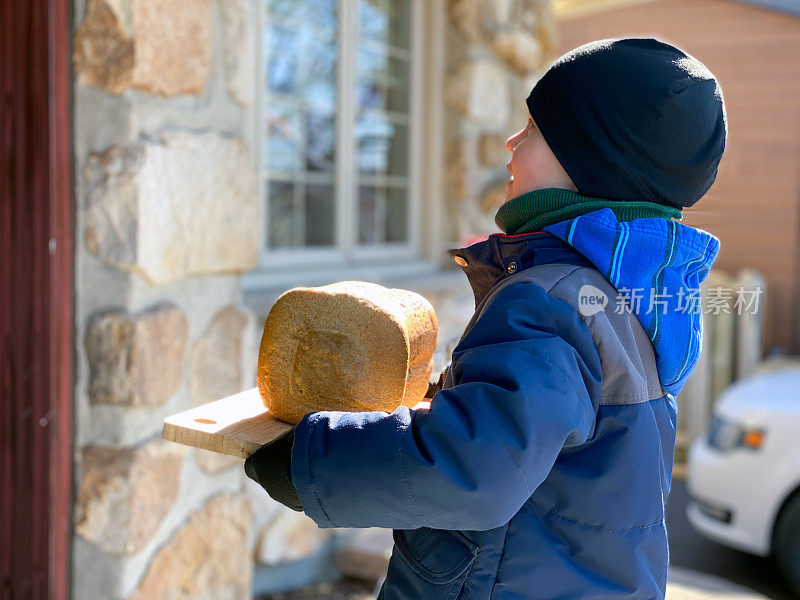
<point x="542" y="466"/>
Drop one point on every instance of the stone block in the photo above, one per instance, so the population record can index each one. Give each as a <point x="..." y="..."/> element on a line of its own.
<point x="464" y="17"/>
<point x="455" y="170"/>
<point x="160" y="46"/>
<point x="125" y="494"/>
<point x="216" y="372"/>
<point x="492" y="199"/>
<point x="136" y="360"/>
<point x="478" y="89"/>
<point x="239" y="48"/>
<point x="366" y="553"/>
<point x="290" y="535"/>
<point x="495" y="14"/>
<point x="181" y="206"/>
<point x="208" y="559"/>
<point x="519" y="49"/>
<point x="492" y="150"/>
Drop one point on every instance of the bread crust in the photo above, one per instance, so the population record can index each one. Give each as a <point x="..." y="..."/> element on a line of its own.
<point x="349" y="346"/>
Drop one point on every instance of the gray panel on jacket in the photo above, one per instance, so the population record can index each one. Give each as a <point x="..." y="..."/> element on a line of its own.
<point x="626" y="353"/>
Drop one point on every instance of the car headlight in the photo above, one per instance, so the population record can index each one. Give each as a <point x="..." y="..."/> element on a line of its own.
<point x="725" y="434"/>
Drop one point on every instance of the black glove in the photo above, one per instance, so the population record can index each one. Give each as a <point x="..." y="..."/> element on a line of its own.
<point x="270" y="467"/>
<point x="434" y="388"/>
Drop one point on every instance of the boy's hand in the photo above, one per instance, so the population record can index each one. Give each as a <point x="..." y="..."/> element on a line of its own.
<point x="270" y="467"/>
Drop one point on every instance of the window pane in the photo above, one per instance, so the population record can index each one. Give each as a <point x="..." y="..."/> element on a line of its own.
<point x="319" y="76"/>
<point x="374" y="138"/>
<point x="397" y="158"/>
<point x="301" y="55"/>
<point x="382" y="80"/>
<point x="382" y="145"/>
<point x="320" y="217"/>
<point x="320" y="142"/>
<point x="371" y="214"/>
<point x="283" y="137"/>
<point x="282" y="51"/>
<point x="302" y="106"/>
<point x="280" y="198"/>
<point x="385" y="21"/>
<point x="319" y="14"/>
<point x="285" y="8"/>
<point x="397" y="215"/>
<point x="383" y="214"/>
<point x="383" y="86"/>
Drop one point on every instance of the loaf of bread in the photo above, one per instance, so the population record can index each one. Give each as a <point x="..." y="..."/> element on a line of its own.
<point x="350" y="346"/>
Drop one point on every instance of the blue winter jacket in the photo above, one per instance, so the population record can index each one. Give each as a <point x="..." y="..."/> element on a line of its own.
<point x="542" y="466"/>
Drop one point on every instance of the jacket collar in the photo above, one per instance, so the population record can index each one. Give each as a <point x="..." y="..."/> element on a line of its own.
<point x="498" y="256"/>
<point x="657" y="264"/>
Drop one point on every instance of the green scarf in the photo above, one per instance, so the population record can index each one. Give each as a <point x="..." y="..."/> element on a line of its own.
<point x="536" y="209"/>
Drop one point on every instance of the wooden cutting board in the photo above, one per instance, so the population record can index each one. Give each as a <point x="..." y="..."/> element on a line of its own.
<point x="237" y="425"/>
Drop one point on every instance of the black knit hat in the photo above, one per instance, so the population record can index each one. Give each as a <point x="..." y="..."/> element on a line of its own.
<point x="633" y="119"/>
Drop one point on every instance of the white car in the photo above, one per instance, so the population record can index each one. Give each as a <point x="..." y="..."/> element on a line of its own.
<point x="744" y="475"/>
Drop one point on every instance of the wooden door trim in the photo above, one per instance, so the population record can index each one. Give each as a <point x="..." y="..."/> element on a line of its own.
<point x="36" y="278"/>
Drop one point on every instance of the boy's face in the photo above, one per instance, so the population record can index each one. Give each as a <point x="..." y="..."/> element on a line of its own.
<point x="533" y="165"/>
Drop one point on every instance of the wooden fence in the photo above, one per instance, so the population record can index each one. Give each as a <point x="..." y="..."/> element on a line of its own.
<point x="733" y="308"/>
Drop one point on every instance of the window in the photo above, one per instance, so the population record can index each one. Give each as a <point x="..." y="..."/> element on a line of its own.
<point x="338" y="102"/>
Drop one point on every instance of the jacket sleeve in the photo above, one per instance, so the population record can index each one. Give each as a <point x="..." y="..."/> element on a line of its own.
<point x="527" y="380"/>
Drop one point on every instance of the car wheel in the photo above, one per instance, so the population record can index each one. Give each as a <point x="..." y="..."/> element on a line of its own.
<point x="787" y="543"/>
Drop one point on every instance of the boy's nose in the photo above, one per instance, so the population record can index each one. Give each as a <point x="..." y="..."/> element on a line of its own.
<point x="510" y="143"/>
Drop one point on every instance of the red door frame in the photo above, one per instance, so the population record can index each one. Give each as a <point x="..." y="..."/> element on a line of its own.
<point x="36" y="287"/>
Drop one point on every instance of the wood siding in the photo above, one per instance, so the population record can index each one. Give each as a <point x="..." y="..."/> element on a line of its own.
<point x="754" y="204"/>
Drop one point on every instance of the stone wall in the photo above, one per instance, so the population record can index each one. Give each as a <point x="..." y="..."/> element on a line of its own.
<point x="165" y="225"/>
<point x="496" y="51"/>
<point x="166" y="221"/>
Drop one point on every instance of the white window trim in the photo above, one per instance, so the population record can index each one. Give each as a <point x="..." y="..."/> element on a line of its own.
<point x="425" y="252"/>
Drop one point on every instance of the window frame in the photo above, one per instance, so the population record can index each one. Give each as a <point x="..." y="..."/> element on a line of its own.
<point x="280" y="267"/>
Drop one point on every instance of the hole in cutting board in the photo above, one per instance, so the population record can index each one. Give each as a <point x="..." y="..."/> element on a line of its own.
<point x="206" y="421"/>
